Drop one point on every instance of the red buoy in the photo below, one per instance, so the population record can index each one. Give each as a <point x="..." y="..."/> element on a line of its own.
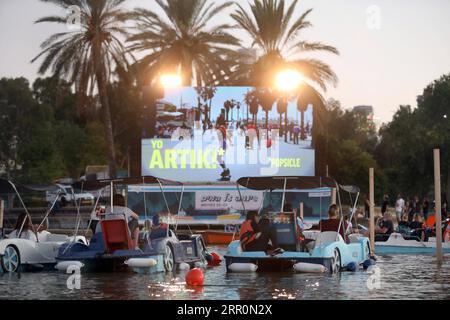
<point x="195" y="277"/>
<point x="216" y="259"/>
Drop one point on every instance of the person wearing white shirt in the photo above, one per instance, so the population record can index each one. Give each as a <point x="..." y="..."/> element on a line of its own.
<point x="399" y="207"/>
<point x="131" y="217"/>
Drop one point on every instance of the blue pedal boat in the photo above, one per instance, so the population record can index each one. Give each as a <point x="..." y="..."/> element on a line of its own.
<point x="327" y="249"/>
<point x="111" y="248"/>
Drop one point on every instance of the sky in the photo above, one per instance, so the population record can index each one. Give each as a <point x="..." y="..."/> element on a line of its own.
<point x="390" y="50"/>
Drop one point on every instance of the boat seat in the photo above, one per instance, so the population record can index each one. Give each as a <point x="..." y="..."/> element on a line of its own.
<point x="354" y="238"/>
<point x="116" y="235"/>
<point x="327" y="237"/>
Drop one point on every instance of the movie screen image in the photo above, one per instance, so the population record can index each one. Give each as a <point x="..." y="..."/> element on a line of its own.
<point x="224" y="133"/>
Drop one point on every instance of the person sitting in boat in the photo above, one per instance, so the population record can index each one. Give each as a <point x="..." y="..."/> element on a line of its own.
<point x="255" y="238"/>
<point x="333" y="223"/>
<point x="131" y="217"/>
<point x="417" y="227"/>
<point x="158" y="229"/>
<point x="23" y="223"/>
<point x="349" y="229"/>
<point x="384" y="228"/>
<point x="403" y="225"/>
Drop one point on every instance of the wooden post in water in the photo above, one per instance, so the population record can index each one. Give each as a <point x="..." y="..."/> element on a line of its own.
<point x="372" y="209"/>
<point x="438" y="204"/>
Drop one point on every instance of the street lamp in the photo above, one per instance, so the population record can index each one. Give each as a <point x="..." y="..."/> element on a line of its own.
<point x="288" y="80"/>
<point x="170" y="80"/>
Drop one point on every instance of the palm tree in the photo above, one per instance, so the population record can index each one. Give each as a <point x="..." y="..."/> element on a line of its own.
<point x="184" y="41"/>
<point x="87" y="55"/>
<point x="206" y="94"/>
<point x="227" y="105"/>
<point x="275" y="33"/>
<point x="308" y="96"/>
<point x="267" y="98"/>
<point x="282" y="104"/>
<point x="251" y="99"/>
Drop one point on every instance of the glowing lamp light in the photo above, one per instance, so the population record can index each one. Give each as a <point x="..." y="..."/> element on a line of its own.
<point x="288" y="80"/>
<point x="171" y="80"/>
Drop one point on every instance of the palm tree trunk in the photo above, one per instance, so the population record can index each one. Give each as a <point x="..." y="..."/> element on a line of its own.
<point x="107" y="120"/>
<point x="302" y="128"/>
<point x="281" y="122"/>
<point x="285" y="127"/>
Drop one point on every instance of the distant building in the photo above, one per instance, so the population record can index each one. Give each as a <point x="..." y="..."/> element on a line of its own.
<point x="365" y="110"/>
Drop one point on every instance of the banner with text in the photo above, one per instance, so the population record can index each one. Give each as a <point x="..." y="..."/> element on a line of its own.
<point x="224" y="200"/>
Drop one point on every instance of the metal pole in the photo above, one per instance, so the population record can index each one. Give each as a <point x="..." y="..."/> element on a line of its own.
<point x="438" y="204"/>
<point x="302" y="214"/>
<point x="2" y="210"/>
<point x="284" y="195"/>
<point x="179" y="207"/>
<point x="372" y="209"/>
<point x="242" y="199"/>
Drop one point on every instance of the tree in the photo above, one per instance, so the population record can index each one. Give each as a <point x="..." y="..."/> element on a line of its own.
<point x="306" y="97"/>
<point x="266" y="98"/>
<point x="16" y="102"/>
<point x="184" y="41"/>
<point x="251" y="99"/>
<point x="206" y="94"/>
<point x="86" y="56"/>
<point x="282" y="104"/>
<point x="275" y="33"/>
<point x="227" y="106"/>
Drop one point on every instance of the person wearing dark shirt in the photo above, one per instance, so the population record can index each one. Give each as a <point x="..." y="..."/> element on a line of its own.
<point x="417" y="228"/>
<point x="366" y="207"/>
<point x="255" y="238"/>
<point x="385" y="204"/>
<point x="333" y="223"/>
<point x="403" y="225"/>
<point x="384" y="228"/>
<point x="425" y="207"/>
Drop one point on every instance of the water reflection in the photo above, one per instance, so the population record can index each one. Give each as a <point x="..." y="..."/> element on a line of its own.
<point x="402" y="277"/>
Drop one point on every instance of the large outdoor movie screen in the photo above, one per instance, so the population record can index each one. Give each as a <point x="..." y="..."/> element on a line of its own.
<point x="224" y="133"/>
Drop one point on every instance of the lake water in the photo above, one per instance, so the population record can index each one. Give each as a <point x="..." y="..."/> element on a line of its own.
<point x="401" y="277"/>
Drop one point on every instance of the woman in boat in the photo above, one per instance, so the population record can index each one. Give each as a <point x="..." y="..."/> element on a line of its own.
<point x="257" y="237"/>
<point x="23" y="223"/>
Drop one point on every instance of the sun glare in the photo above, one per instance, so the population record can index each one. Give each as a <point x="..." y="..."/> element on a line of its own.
<point x="288" y="80"/>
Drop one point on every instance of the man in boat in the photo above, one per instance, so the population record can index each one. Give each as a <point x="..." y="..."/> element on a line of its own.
<point x="257" y="237"/>
<point x="417" y="227"/>
<point x="131" y="217"/>
<point x="333" y="223"/>
<point x="384" y="228"/>
<point x="158" y="229"/>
